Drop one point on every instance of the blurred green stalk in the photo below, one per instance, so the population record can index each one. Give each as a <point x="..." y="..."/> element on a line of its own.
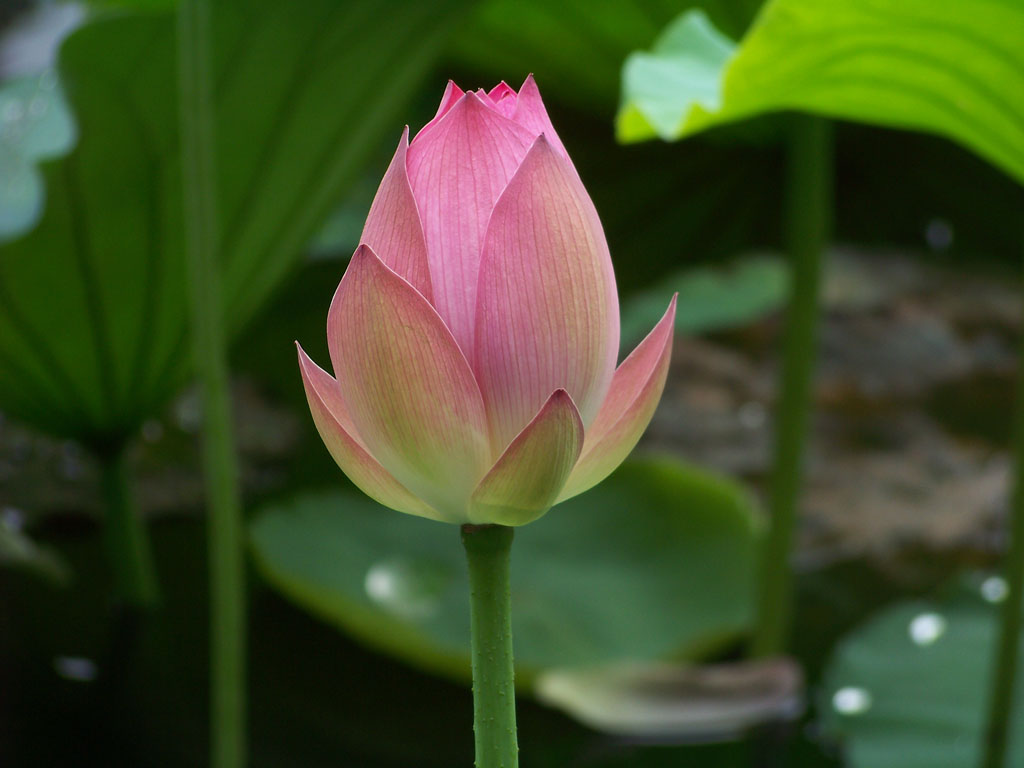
<point x="1004" y="668"/>
<point x="225" y="542"/>
<point x="127" y="543"/>
<point x="808" y="219"/>
<point x="494" y="692"/>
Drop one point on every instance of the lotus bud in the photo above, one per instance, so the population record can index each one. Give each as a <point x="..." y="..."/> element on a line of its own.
<point x="475" y="333"/>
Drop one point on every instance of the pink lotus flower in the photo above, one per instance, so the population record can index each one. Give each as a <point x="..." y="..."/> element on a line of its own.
<point x="475" y="333"/>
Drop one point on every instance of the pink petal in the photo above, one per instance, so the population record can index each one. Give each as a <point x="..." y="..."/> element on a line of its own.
<point x="628" y="408"/>
<point x="339" y="435"/>
<point x="452" y="93"/>
<point x="504" y="98"/>
<point x="500" y="91"/>
<point x="547" y="314"/>
<point x="531" y="114"/>
<point x="526" y="480"/>
<point x="457" y="171"/>
<point x="393" y="227"/>
<point x="408" y="387"/>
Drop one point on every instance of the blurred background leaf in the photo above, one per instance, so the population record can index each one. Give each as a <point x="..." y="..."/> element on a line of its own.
<point x="92" y="330"/>
<point x="35" y="122"/>
<point x="710" y="299"/>
<point x="912" y="682"/>
<point x="19" y="550"/>
<point x="918" y="65"/>
<point x="654" y="563"/>
<point x="34" y="125"/>
<point x="683" y="72"/>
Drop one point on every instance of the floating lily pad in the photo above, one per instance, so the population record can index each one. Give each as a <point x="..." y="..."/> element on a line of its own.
<point x="678" y="703"/>
<point x="910" y="688"/>
<point x="656" y="562"/>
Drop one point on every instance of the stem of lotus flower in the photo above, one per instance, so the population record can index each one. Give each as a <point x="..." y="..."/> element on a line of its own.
<point x="1008" y="646"/>
<point x="126" y="539"/>
<point x="808" y="216"/>
<point x="494" y="694"/>
<point x="209" y="344"/>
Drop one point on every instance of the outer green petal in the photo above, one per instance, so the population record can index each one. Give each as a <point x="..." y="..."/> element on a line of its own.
<point x="627" y="410"/>
<point x="409" y="390"/>
<point x="339" y="435"/>
<point x="526" y="480"/>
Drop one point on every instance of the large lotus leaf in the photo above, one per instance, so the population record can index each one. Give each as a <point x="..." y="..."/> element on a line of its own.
<point x="656" y="562"/>
<point x="92" y="311"/>
<point x="953" y="68"/>
<point x="910" y="687"/>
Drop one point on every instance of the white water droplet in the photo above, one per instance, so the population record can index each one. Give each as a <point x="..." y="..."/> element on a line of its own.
<point x="926" y="628"/>
<point x="71" y="461"/>
<point x="994" y="589"/>
<point x="410" y="589"/>
<point x="851" y="700"/>
<point x="12" y="518"/>
<point x="75" y="668"/>
<point x="188" y="412"/>
<point x="938" y="234"/>
<point x="152" y="430"/>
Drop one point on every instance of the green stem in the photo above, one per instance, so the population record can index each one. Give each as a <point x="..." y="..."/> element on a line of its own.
<point x="808" y="222"/>
<point x="1004" y="670"/>
<point x="494" y="694"/>
<point x="225" y="540"/>
<point x="126" y="539"/>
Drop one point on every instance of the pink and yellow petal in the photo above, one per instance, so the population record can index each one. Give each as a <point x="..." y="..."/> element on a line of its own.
<point x="409" y="390"/>
<point x="526" y="480"/>
<point x="393" y="228"/>
<point x="547" y="312"/>
<point x="338" y="433"/>
<point x="627" y="410"/>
